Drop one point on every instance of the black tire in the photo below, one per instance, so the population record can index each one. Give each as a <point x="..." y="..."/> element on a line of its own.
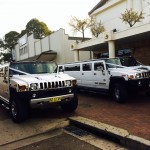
<point x="120" y="92"/>
<point x="70" y="106"/>
<point x="19" y="110"/>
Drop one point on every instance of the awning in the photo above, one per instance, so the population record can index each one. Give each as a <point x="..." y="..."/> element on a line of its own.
<point x="44" y="56"/>
<point x="47" y="56"/>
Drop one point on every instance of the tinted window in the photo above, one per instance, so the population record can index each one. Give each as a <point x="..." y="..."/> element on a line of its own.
<point x="97" y="66"/>
<point x="75" y="67"/>
<point x="87" y="67"/>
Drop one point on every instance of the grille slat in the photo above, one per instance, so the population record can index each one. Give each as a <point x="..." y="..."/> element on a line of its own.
<point x="50" y="85"/>
<point x="145" y="75"/>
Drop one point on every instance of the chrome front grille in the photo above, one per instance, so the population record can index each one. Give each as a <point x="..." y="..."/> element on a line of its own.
<point x="51" y="85"/>
<point x="144" y="75"/>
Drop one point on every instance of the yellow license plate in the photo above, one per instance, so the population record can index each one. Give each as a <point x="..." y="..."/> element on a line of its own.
<point x="55" y="99"/>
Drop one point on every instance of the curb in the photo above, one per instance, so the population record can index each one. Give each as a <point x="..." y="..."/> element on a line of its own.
<point x="116" y="134"/>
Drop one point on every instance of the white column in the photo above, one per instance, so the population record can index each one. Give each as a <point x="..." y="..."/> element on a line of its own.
<point x="91" y="55"/>
<point x="76" y="55"/>
<point x="111" y="46"/>
<point x="129" y="4"/>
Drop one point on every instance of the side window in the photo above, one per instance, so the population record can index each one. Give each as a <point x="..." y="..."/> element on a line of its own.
<point x="75" y="67"/>
<point x="98" y="66"/>
<point x="87" y="67"/>
<point x="60" y="69"/>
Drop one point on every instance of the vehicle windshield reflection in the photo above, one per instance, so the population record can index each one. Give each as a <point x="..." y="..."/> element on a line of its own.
<point x="34" y="67"/>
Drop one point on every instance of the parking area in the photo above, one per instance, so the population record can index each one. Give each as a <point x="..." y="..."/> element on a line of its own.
<point x="133" y="116"/>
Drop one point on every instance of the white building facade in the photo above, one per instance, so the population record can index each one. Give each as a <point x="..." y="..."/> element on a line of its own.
<point x="118" y="35"/>
<point x="58" y="47"/>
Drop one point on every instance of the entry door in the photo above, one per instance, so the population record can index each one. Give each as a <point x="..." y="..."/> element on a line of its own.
<point x="86" y="74"/>
<point x="100" y="75"/>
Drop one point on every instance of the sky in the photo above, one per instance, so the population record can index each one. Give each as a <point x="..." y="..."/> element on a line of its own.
<point x="56" y="14"/>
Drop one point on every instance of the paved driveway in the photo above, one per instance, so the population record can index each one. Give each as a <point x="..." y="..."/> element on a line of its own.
<point x="133" y="116"/>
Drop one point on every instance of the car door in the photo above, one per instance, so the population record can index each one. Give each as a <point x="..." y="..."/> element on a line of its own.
<point x="86" y="74"/>
<point x="100" y="75"/>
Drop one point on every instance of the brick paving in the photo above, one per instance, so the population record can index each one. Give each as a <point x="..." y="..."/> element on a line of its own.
<point x="133" y="116"/>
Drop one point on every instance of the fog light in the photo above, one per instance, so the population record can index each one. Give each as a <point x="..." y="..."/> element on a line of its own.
<point x="139" y="82"/>
<point x="70" y="91"/>
<point x="34" y="95"/>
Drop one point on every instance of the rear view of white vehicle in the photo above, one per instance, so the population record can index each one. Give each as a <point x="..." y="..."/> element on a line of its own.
<point x="24" y="85"/>
<point x="117" y="76"/>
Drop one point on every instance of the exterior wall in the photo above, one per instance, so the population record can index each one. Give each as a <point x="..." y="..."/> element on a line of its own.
<point x="146" y="10"/>
<point x="142" y="53"/>
<point x="57" y="41"/>
<point x="31" y="47"/>
<point x="56" y="44"/>
<point x="16" y="57"/>
<point x="141" y="50"/>
<point x="110" y="21"/>
<point x="45" y="46"/>
<point x="38" y="48"/>
<point x="115" y="8"/>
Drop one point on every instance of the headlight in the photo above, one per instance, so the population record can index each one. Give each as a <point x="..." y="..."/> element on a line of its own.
<point x="33" y="86"/>
<point x="138" y="76"/>
<point x="22" y="88"/>
<point x="68" y="83"/>
<point x="130" y="77"/>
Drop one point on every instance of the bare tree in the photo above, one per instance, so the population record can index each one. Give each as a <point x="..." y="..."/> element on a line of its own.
<point x="97" y="28"/>
<point x="79" y="25"/>
<point x="131" y="17"/>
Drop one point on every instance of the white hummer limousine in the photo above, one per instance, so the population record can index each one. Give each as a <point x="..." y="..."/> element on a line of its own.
<point x="28" y="84"/>
<point x="117" y="76"/>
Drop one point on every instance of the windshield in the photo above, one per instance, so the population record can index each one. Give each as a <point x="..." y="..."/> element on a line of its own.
<point x="129" y="61"/>
<point x="33" y="67"/>
<point x="120" y="62"/>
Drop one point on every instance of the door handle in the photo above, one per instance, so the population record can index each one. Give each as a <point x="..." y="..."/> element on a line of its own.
<point x="82" y="73"/>
<point x="94" y="73"/>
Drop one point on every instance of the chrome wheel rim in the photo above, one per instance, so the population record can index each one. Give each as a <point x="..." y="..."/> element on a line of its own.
<point x="14" y="109"/>
<point x="117" y="93"/>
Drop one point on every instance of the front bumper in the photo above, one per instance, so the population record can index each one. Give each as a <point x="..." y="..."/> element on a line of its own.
<point x="140" y="84"/>
<point x="47" y="100"/>
<point x="42" y="97"/>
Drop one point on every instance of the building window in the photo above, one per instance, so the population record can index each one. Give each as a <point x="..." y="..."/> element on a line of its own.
<point x="23" y="50"/>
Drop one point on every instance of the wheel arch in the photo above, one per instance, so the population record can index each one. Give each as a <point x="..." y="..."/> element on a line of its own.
<point x="114" y="80"/>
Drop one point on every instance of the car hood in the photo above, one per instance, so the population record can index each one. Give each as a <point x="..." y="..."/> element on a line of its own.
<point x="35" y="78"/>
<point x="128" y="70"/>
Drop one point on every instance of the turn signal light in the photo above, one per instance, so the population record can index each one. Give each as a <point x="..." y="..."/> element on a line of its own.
<point x="22" y="88"/>
<point x="74" y="82"/>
